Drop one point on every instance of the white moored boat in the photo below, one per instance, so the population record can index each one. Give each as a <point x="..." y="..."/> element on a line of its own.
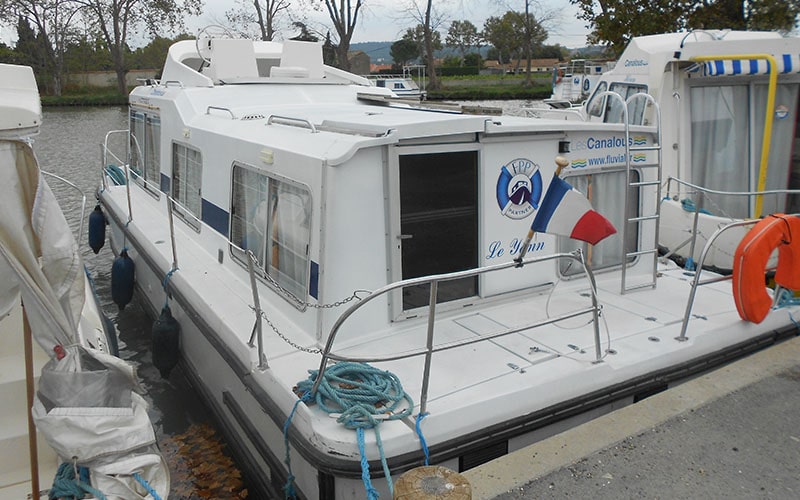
<point x="728" y="129"/>
<point x="301" y="219"/>
<point x="575" y="80"/>
<point x="86" y="409"/>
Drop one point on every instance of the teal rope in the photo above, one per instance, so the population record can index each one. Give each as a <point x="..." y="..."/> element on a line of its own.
<point x="66" y="487"/>
<point x="165" y="285"/>
<point x="422" y="438"/>
<point x="146" y="486"/>
<point x="358" y="392"/>
<point x="372" y="494"/>
<point x="288" y="488"/>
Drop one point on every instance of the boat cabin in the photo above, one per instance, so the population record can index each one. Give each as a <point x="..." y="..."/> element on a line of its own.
<point x="336" y="188"/>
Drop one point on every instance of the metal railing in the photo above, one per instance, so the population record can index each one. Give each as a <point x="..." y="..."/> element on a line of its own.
<point x="702" y="191"/>
<point x="83" y="200"/>
<point x="696" y="282"/>
<point x="430" y="347"/>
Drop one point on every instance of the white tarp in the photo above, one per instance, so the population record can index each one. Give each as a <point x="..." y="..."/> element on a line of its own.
<point x="87" y="406"/>
<point x="39" y="248"/>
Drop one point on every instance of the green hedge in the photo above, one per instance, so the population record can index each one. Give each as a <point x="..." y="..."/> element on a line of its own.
<point x="458" y="70"/>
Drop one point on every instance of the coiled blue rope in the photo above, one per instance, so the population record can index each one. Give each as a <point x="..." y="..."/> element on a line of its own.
<point x="358" y="392"/>
<point x="65" y="486"/>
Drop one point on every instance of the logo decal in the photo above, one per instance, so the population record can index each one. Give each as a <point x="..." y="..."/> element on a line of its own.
<point x="519" y="188"/>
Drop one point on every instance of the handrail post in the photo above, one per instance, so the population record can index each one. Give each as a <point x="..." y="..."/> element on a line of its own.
<point x="423" y="398"/>
<point x="262" y="359"/>
<point x="172" y="233"/>
<point x="699" y="268"/>
<point x="595" y="307"/>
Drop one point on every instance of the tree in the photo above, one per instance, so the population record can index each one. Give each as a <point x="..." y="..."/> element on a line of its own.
<point x="305" y="34"/>
<point x="615" y="22"/>
<point x="116" y="19"/>
<point x="416" y="35"/>
<point x="462" y="35"/>
<point x="52" y="22"/>
<point x="404" y="51"/>
<point x="473" y="60"/>
<point x="500" y="32"/>
<point x="344" y="16"/>
<point x="504" y="34"/>
<point x="264" y="14"/>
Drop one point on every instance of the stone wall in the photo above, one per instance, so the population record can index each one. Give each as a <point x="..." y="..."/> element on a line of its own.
<point x="109" y="78"/>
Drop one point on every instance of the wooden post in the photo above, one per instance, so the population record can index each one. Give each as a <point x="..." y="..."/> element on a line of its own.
<point x="32" y="441"/>
<point x="432" y="483"/>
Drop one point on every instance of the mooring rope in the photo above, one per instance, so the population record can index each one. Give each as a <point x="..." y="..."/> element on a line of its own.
<point x="66" y="486"/>
<point x="361" y="395"/>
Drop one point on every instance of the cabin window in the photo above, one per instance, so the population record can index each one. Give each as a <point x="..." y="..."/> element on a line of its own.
<point x="272" y="218"/>
<point x="439" y="223"/>
<point x="727" y="127"/>
<point x="595" y="106"/>
<point x="187" y="176"/>
<point x="606" y="193"/>
<point x="398" y="85"/>
<point x="613" y="112"/>
<point x="145" y="144"/>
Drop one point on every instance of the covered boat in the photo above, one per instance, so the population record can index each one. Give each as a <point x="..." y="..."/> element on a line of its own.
<point x="87" y="407"/>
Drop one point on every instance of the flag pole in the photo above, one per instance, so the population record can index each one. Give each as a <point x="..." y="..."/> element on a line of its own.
<point x="561" y="162"/>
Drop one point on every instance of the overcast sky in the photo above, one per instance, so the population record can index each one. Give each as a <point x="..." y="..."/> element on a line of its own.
<point x="385" y="20"/>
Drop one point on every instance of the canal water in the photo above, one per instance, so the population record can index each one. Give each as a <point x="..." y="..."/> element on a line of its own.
<point x="200" y="465"/>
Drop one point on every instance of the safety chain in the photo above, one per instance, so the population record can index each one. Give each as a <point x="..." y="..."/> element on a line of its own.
<point x="302" y="303"/>
<point x="318" y="306"/>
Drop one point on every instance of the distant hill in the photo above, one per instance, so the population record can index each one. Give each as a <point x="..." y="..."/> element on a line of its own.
<point x="378" y="52"/>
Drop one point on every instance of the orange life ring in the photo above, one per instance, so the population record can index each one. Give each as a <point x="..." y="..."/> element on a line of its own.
<point x="779" y="231"/>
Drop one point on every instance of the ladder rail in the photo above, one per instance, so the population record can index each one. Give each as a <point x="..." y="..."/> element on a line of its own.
<point x="639" y="219"/>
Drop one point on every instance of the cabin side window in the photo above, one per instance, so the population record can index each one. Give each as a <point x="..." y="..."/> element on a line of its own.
<point x="613" y="113"/>
<point x="606" y="193"/>
<point x="271" y="217"/>
<point x="187" y="176"/>
<point x="145" y="146"/>
<point x="595" y="106"/>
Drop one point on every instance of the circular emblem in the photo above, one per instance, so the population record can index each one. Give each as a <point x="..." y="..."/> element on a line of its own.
<point x="781" y="112"/>
<point x="519" y="188"/>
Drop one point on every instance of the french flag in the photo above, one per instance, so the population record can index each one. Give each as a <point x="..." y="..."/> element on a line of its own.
<point x="567" y="212"/>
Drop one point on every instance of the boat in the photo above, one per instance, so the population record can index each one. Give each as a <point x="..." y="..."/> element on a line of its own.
<point x="71" y="414"/>
<point x="575" y="80"/>
<point x="403" y="85"/>
<point x="714" y="89"/>
<point x="366" y="285"/>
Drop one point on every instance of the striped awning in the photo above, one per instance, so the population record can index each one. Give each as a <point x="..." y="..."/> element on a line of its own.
<point x="787" y="63"/>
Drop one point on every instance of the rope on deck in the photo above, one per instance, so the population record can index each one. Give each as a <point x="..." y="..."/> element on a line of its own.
<point x="361" y="395"/>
